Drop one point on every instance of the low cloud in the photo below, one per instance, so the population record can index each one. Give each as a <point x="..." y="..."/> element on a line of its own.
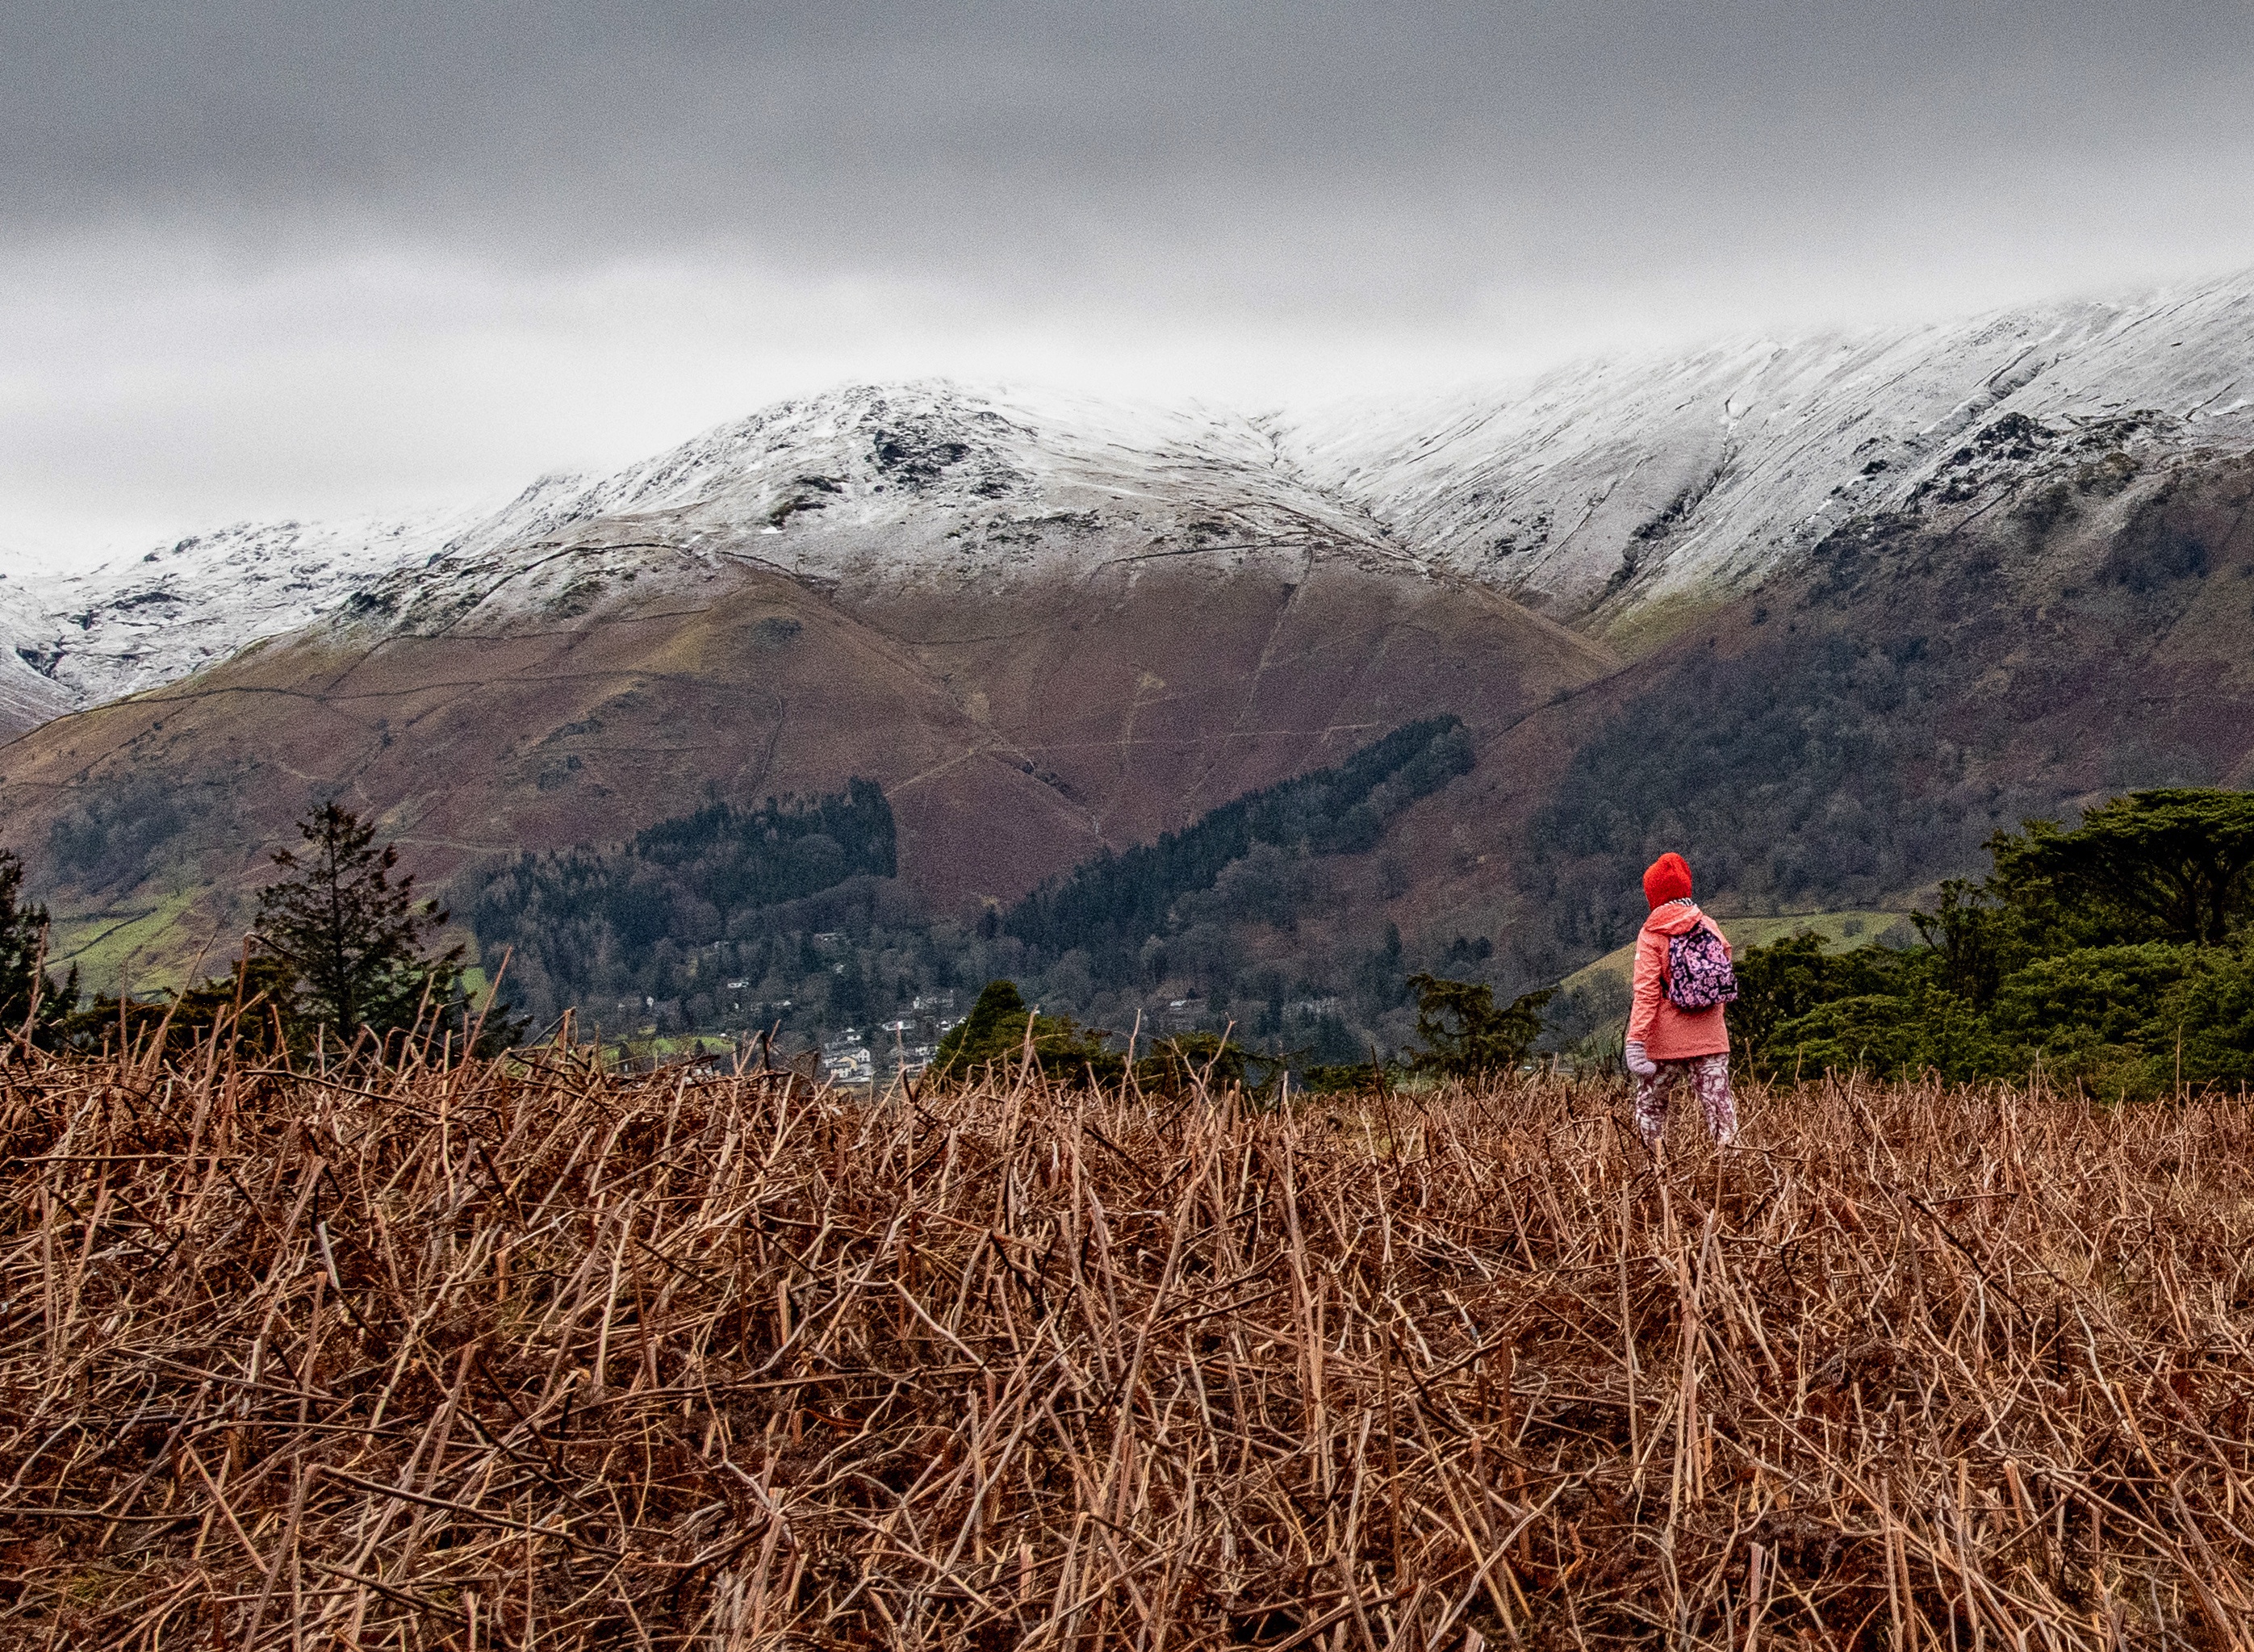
<point x="294" y="258"/>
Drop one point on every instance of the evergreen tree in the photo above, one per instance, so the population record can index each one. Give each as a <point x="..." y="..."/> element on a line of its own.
<point x="31" y="1002"/>
<point x="2175" y="864"/>
<point x="1792" y="977"/>
<point x="995" y="1033"/>
<point x="353" y="933"/>
<point x="2118" y="955"/>
<point x="1465" y="1035"/>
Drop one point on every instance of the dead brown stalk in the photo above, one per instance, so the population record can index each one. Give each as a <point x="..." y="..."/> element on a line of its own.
<point x="504" y="1356"/>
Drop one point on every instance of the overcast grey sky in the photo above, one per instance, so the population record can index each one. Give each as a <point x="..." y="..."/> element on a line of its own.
<point x="261" y="258"/>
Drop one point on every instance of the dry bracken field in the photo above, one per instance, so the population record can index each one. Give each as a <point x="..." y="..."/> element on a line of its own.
<point x="519" y="1355"/>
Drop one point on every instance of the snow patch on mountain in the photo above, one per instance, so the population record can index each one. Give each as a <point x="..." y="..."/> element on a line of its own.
<point x="881" y="486"/>
<point x="1590" y="493"/>
<point x="136" y="623"/>
<point x="1610" y="485"/>
<point x="27" y="698"/>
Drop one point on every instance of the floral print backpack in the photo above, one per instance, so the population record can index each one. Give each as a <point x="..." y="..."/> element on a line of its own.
<point x="1699" y="975"/>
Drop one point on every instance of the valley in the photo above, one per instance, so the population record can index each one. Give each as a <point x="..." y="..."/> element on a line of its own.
<point x="1825" y="613"/>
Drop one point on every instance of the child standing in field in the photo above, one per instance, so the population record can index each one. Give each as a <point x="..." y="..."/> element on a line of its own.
<point x="1675" y="1030"/>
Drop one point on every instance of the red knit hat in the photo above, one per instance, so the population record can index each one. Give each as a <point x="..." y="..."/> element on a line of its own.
<point x="1668" y="879"/>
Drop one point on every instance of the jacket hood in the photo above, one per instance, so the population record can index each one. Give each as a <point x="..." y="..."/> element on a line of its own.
<point x="1671" y="919"/>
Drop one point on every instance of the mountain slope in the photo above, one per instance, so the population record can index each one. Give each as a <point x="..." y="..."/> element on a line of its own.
<point x="1602" y="494"/>
<point x="1853" y="726"/>
<point x="1610" y="489"/>
<point x="1823" y="613"/>
<point x="1040" y="641"/>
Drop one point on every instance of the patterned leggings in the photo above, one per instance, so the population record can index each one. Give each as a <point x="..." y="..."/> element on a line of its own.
<point x="1710" y="1079"/>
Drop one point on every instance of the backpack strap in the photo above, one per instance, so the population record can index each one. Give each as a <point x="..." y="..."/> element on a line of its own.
<point x="1667" y="952"/>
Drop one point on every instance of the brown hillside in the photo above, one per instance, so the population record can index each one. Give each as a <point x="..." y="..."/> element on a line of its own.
<point x="1016" y="730"/>
<point x="1849" y="730"/>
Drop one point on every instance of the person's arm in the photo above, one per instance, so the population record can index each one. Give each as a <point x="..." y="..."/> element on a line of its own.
<point x="1643" y="1003"/>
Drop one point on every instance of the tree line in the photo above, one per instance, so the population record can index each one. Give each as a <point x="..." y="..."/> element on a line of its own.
<point x="2118" y="954"/>
<point x="1111" y="907"/>
<point x="1463" y="1034"/>
<point x="677" y="911"/>
<point x="343" y="948"/>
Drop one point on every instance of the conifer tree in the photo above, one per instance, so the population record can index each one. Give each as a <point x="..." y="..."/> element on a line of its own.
<point x="31" y="1002"/>
<point x="999" y="1029"/>
<point x="354" y="933"/>
<point x="2176" y="862"/>
<point x="1465" y="1035"/>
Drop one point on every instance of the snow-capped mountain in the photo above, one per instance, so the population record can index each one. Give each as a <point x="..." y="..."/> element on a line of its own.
<point x="1620" y="483"/>
<point x="903" y="482"/>
<point x="1588" y="493"/>
<point x="27" y="697"/>
<point x="131" y="624"/>
<point x="920" y="485"/>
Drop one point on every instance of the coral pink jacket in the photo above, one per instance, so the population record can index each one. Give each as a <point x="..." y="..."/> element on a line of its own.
<point x="1669" y="1034"/>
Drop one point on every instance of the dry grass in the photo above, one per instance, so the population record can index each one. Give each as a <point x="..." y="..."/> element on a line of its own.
<point x="491" y="1358"/>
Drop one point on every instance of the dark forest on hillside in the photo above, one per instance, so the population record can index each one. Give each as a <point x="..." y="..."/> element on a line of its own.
<point x="1116" y="906"/>
<point x="1801" y="774"/>
<point x="679" y="909"/>
<point x="732" y="920"/>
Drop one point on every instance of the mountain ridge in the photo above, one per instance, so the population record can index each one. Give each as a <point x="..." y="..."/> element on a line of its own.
<point x="1590" y="492"/>
<point x="1716" y="467"/>
<point x="1049" y="627"/>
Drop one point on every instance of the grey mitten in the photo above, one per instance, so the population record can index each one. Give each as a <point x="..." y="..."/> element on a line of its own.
<point x="1638" y="1063"/>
